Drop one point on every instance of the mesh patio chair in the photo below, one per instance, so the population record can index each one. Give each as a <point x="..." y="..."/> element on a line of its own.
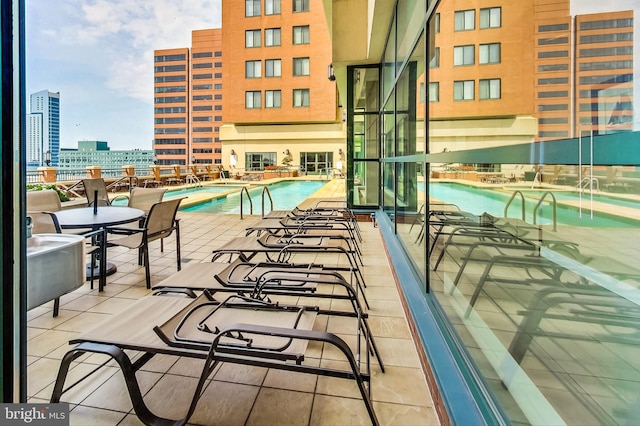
<point x="96" y="191"/>
<point x="159" y="224"/>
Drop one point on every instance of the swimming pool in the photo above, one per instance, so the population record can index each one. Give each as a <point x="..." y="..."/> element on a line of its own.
<point x="286" y="195"/>
<point x="480" y="200"/>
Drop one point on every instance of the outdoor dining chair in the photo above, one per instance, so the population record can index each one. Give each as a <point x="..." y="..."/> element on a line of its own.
<point x="96" y="192"/>
<point x="159" y="224"/>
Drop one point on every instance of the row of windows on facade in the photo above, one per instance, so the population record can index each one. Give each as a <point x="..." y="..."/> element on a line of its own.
<point x="183" y="67"/>
<point x="183" y="152"/>
<point x="273" y="68"/>
<point x="179" y="78"/>
<point x="273" y="99"/>
<point x="182" y="141"/>
<point x="465" y="90"/>
<point x="182" y="110"/>
<point x="182" y="99"/>
<point x="273" y="7"/>
<point x="603" y="24"/>
<point x="182" y="130"/>
<point x="490" y="53"/>
<point x="182" y="120"/>
<point x="179" y="89"/>
<point x="183" y="57"/>
<point x="301" y="34"/>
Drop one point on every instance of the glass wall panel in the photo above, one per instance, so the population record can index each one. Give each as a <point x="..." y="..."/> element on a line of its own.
<point x="389" y="64"/>
<point x="388" y="189"/>
<point x="366" y="184"/>
<point x="389" y="128"/>
<point x="411" y="14"/>
<point x="534" y="206"/>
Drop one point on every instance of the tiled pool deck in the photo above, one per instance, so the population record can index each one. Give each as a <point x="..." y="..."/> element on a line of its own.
<point x="235" y="395"/>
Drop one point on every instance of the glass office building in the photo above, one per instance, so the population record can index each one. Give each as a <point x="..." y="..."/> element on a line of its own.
<point x="499" y="143"/>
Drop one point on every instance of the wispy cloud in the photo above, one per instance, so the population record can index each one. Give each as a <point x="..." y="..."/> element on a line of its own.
<point x="103" y="49"/>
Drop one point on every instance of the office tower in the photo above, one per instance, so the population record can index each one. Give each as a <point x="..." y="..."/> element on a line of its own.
<point x="279" y="101"/>
<point x="188" y="101"/>
<point x="43" y="128"/>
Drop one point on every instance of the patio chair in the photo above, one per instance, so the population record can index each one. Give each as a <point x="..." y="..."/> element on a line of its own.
<point x="47" y="223"/>
<point x="96" y="192"/>
<point x="159" y="224"/>
<point x="143" y="198"/>
<point x="235" y="330"/>
<point x="270" y="280"/>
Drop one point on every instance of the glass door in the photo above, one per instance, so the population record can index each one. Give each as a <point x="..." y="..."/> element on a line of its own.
<point x="315" y="163"/>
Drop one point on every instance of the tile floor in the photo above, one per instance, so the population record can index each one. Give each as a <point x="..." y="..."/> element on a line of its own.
<point x="235" y="395"/>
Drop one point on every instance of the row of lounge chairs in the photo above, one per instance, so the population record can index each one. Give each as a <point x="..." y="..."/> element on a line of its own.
<point x="250" y="305"/>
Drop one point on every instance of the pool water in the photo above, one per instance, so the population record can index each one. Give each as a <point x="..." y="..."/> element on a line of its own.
<point x="286" y="195"/>
<point x="185" y="192"/>
<point x="478" y="201"/>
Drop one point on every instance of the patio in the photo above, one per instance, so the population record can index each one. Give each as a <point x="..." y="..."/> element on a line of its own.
<point x="235" y="394"/>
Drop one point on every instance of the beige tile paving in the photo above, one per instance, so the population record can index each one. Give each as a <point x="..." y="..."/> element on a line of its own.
<point x="235" y="395"/>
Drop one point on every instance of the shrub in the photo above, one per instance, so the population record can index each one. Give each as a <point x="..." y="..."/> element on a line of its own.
<point x="40" y="187"/>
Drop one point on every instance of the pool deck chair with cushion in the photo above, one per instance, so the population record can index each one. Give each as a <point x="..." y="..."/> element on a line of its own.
<point x="275" y="282"/>
<point x="280" y="248"/>
<point x="159" y="224"/>
<point x="235" y="330"/>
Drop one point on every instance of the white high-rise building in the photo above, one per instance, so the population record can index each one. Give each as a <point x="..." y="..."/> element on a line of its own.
<point x="43" y="128"/>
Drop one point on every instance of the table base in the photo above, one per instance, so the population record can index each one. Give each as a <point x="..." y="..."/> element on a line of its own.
<point x="111" y="269"/>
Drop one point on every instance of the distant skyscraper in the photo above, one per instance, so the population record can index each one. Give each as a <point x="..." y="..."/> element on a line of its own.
<point x="43" y="128"/>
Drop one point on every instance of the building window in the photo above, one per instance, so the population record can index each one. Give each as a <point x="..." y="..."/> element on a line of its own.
<point x="253" y="99"/>
<point x="435" y="60"/>
<point x="272" y="68"/>
<point x="272" y="37"/>
<point x="202" y="65"/>
<point x="202" y="97"/>
<point x="490" y="18"/>
<point x="217" y="97"/>
<point x="489" y="53"/>
<point x="300" y="66"/>
<point x="202" y="108"/>
<point x="217" y="86"/>
<point x="203" y="118"/>
<point x="436" y="23"/>
<point x="217" y="75"/>
<point x="252" y="38"/>
<point x="272" y="7"/>
<point x="202" y="55"/>
<point x="202" y="129"/>
<point x="463" y="90"/>
<point x="434" y="91"/>
<point x="255" y="161"/>
<point x="218" y="65"/>
<point x="252" y="8"/>
<point x="301" y="35"/>
<point x="272" y="99"/>
<point x="218" y="107"/>
<point x="464" y="20"/>
<point x="201" y="87"/>
<point x="201" y="76"/>
<point x="490" y="89"/>
<point x="464" y="55"/>
<point x="253" y="69"/>
<point x="300" y="5"/>
<point x="554" y="40"/>
<point x="300" y="97"/>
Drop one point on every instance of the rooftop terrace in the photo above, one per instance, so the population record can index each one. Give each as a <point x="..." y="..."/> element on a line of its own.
<point x="235" y="395"/>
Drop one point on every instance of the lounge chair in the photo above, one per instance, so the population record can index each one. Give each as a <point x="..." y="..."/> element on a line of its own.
<point x="270" y="280"/>
<point x="235" y="330"/>
<point x="279" y="249"/>
<point x="317" y="225"/>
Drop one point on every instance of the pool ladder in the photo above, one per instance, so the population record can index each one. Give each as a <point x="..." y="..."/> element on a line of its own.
<point x="244" y="190"/>
<point x="554" y="204"/>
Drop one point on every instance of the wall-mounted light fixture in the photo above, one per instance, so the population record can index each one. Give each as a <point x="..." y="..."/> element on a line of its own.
<point x="286" y="152"/>
<point x="47" y="158"/>
<point x="339" y="151"/>
<point x="233" y="152"/>
<point x="330" y="73"/>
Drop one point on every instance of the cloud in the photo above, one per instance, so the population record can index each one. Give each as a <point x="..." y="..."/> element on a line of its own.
<point x="96" y="50"/>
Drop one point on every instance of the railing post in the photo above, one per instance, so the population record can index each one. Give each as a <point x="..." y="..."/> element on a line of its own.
<point x="48" y="174"/>
<point x="129" y="170"/>
<point x="94" y="172"/>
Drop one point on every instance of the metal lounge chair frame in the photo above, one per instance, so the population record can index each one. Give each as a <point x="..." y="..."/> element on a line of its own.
<point x="267" y="280"/>
<point x="283" y="246"/>
<point x="115" y="336"/>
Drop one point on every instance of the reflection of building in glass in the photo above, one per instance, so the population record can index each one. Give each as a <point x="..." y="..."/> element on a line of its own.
<point x="572" y="73"/>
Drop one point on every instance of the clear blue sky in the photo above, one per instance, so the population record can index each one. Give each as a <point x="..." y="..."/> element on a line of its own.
<point x="99" y="55"/>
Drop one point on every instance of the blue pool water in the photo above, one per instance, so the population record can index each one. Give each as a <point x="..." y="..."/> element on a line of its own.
<point x="200" y="190"/>
<point x="286" y="195"/>
<point x="478" y="201"/>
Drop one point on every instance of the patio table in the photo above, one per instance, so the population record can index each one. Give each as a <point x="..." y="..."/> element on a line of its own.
<point x="96" y="219"/>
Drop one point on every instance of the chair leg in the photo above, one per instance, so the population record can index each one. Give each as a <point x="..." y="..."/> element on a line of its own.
<point x="56" y="307"/>
<point x="147" y="273"/>
<point x="178" y="244"/>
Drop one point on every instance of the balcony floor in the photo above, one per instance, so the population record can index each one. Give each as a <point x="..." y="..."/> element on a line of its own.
<point x="235" y="395"/>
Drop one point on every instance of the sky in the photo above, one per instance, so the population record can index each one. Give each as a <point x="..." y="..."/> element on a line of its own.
<point x="99" y="55"/>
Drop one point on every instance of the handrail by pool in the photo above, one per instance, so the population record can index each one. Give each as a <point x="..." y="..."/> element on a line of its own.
<point x="554" y="212"/>
<point x="244" y="189"/>
<point x="265" y="189"/>
<point x="506" y="207"/>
